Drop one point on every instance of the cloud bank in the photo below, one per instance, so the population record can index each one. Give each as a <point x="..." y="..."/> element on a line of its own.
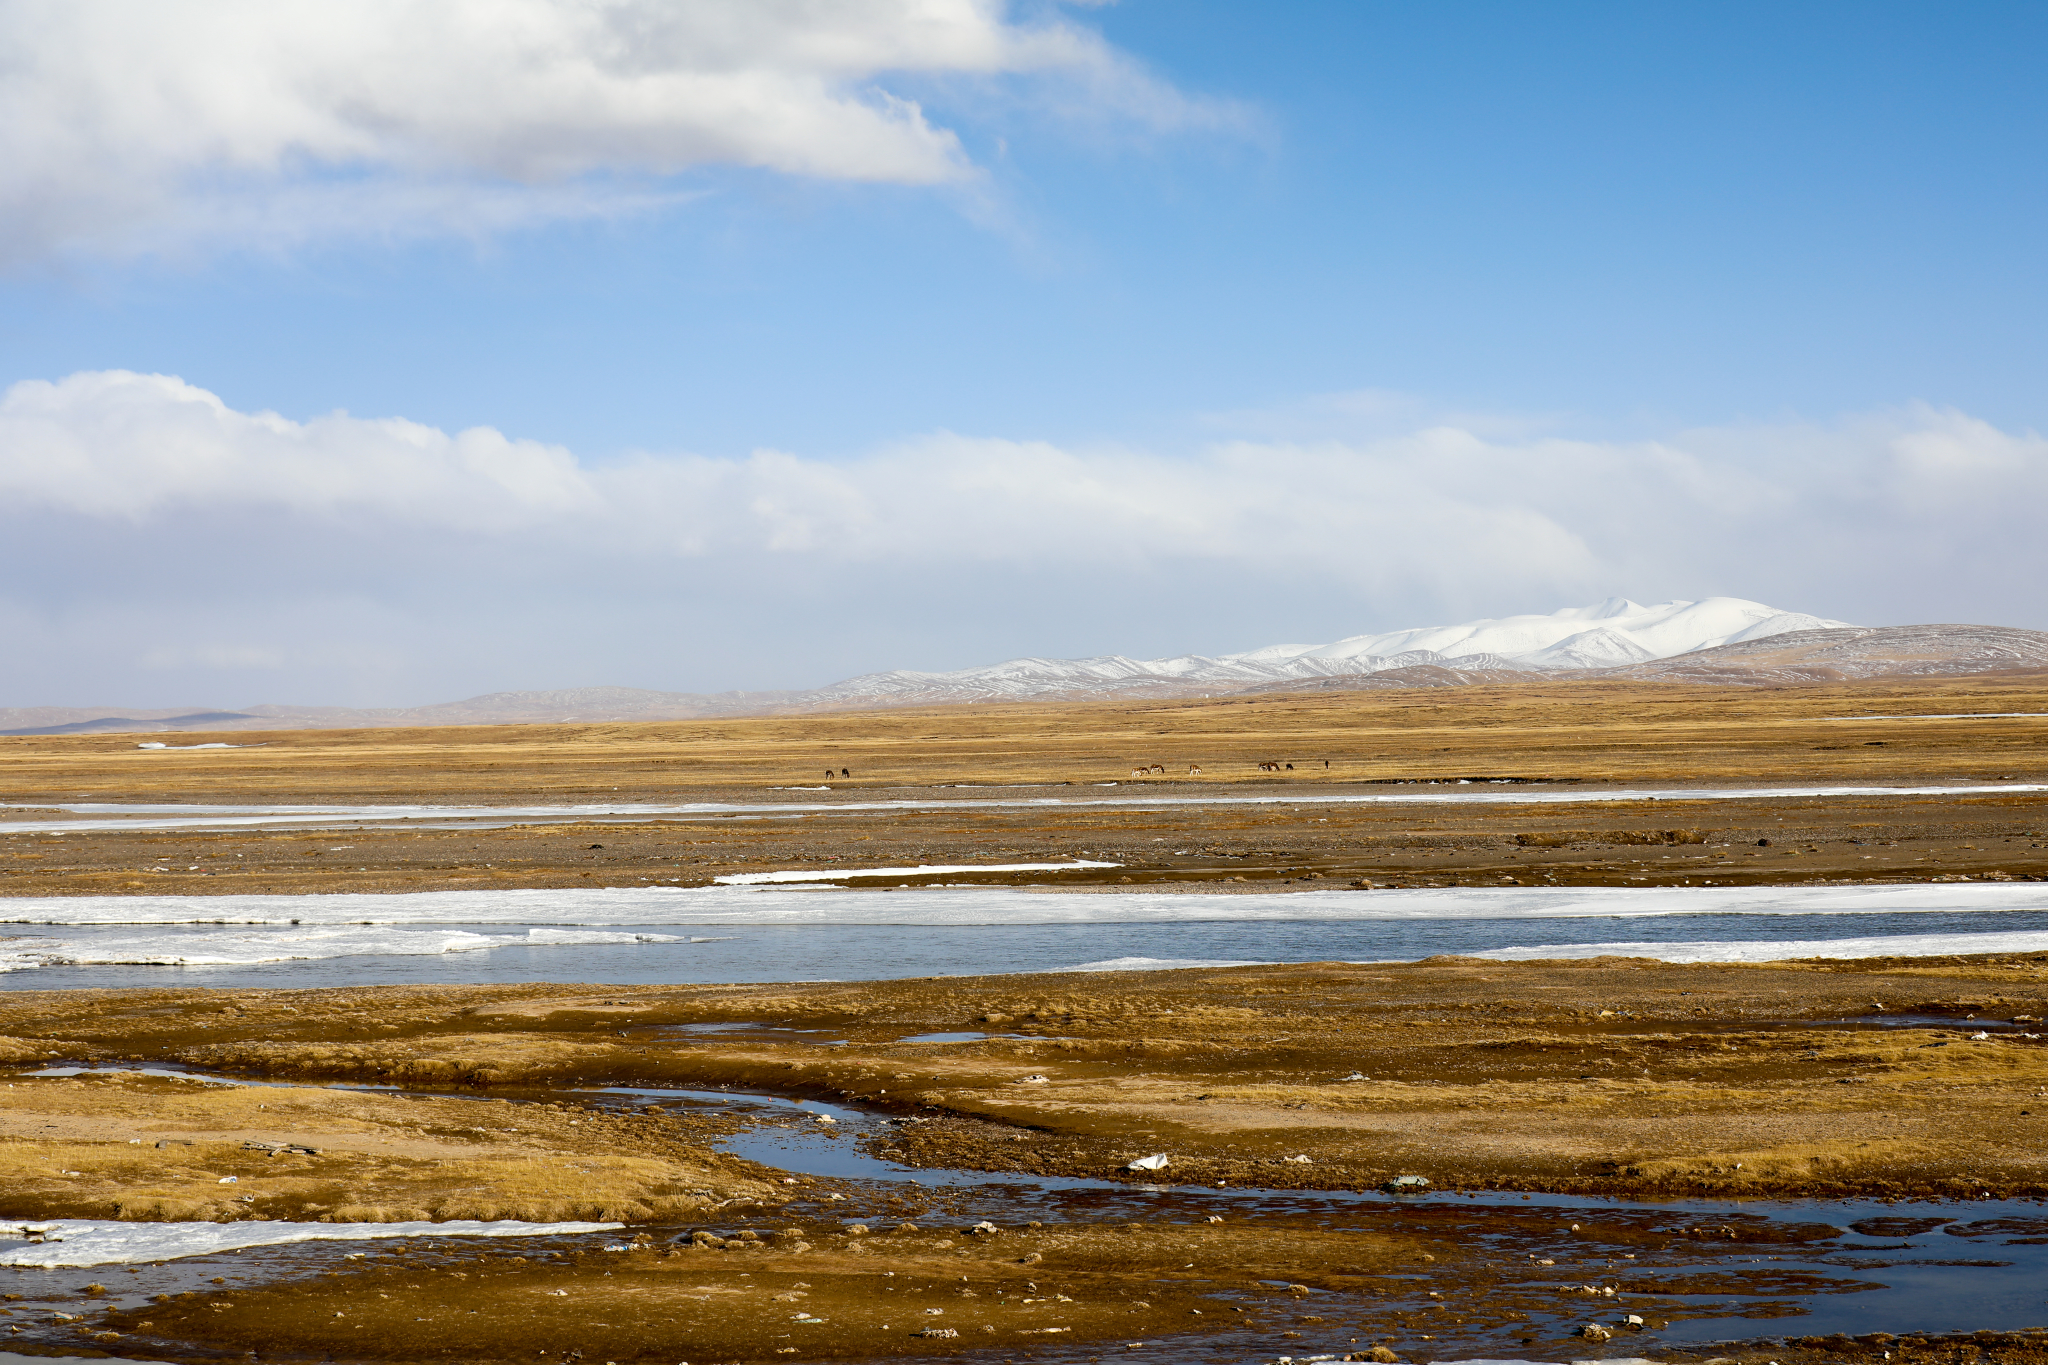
<point x="140" y="125"/>
<point x="159" y="546"/>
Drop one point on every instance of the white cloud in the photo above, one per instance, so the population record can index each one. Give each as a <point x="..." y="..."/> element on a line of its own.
<point x="143" y="509"/>
<point x="134" y="125"/>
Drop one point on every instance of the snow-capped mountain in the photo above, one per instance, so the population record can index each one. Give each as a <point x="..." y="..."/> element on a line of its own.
<point x="1607" y="634"/>
<point x="1574" y="642"/>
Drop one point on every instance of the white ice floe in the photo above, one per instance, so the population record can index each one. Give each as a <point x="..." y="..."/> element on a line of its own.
<point x="236" y="947"/>
<point x="1782" y="950"/>
<point x="139" y="816"/>
<point x="81" y="1242"/>
<point x="924" y="870"/>
<point x="978" y="905"/>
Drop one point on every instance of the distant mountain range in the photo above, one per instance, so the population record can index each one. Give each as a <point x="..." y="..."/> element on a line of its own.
<point x="1721" y="640"/>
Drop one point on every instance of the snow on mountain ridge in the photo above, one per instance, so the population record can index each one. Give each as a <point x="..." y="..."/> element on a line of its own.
<point x="1607" y="634"/>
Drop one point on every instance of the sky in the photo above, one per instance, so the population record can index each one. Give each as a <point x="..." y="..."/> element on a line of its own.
<point x="397" y="352"/>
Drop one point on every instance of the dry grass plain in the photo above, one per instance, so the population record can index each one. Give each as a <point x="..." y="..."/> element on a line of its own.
<point x="1592" y="735"/>
<point x="1587" y="732"/>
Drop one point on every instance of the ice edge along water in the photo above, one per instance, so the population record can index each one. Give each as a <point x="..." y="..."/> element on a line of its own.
<point x="619" y="908"/>
<point x="58" y="1242"/>
<point x="1703" y="950"/>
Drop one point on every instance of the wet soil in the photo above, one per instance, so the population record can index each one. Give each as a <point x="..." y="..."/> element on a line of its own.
<point x="1749" y="842"/>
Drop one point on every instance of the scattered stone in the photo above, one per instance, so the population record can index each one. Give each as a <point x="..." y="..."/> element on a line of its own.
<point x="1401" y="1184"/>
<point x="1156" y="1162"/>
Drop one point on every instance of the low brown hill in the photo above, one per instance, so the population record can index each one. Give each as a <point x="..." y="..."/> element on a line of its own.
<point x="1846" y="654"/>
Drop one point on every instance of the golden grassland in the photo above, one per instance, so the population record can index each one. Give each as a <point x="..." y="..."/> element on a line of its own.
<point x="130" y="1146"/>
<point x="1614" y="1076"/>
<point x="1592" y="732"/>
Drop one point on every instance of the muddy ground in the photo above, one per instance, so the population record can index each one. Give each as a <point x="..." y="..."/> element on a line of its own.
<point x="1751" y="842"/>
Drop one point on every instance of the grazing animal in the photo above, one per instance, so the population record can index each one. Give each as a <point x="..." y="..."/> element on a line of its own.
<point x="1159" y="768"/>
<point x="1194" y="772"/>
<point x="844" y="773"/>
<point x="1290" y="767"/>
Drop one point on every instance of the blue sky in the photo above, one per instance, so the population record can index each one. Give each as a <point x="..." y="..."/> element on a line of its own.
<point x="1798" y="245"/>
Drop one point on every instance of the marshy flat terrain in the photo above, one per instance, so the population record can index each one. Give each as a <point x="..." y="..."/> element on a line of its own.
<point x="1905" y="1088"/>
<point x="1424" y="1160"/>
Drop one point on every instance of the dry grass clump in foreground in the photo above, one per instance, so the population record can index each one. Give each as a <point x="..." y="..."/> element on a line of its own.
<point x="126" y="1146"/>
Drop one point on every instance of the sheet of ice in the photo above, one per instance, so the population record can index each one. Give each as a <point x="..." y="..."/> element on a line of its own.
<point x="1781" y="950"/>
<point x="1159" y="964"/>
<point x="966" y="905"/>
<point x="924" y="870"/>
<point x="229" y="947"/>
<point x="108" y="815"/>
<point x="82" y="1241"/>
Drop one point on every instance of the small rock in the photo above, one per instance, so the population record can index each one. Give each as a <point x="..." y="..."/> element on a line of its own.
<point x="1156" y="1162"/>
<point x="1401" y="1184"/>
<point x="937" y="1332"/>
<point x="984" y="1229"/>
<point x="1593" y="1331"/>
<point x="1034" y="1080"/>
